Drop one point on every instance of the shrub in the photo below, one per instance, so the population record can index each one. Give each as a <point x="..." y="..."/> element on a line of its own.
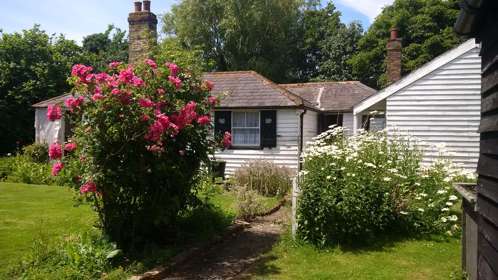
<point x="6" y="165"/>
<point x="358" y="187"/>
<point x="37" y="153"/>
<point x="264" y="177"/>
<point x="83" y="256"/>
<point x="248" y="204"/>
<point x="24" y="170"/>
<point x="140" y="136"/>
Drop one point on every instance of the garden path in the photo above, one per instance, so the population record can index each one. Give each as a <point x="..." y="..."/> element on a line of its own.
<point x="233" y="256"/>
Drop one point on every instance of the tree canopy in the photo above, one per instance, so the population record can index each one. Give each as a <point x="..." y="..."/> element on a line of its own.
<point x="239" y="35"/>
<point x="33" y="66"/>
<point x="426" y="28"/>
<point x="103" y="48"/>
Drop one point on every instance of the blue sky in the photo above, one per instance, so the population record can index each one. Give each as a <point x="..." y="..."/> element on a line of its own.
<point x="76" y="19"/>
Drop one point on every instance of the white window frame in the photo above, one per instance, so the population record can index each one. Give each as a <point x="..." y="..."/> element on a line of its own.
<point x="258" y="127"/>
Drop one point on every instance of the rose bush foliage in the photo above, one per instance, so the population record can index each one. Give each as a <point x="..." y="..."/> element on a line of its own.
<point x="140" y="135"/>
<point x="356" y="188"/>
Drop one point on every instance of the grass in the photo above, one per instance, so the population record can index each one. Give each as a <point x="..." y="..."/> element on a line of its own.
<point x="26" y="211"/>
<point x="394" y="258"/>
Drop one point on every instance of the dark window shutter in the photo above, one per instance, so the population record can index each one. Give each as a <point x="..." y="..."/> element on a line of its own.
<point x="222" y="122"/>
<point x="268" y="129"/>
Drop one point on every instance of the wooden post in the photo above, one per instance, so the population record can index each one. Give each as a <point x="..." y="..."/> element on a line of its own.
<point x="295" y="194"/>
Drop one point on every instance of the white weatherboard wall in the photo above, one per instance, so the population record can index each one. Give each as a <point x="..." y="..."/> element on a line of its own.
<point x="46" y="131"/>
<point x="442" y="107"/>
<point x="310" y="126"/>
<point x="347" y="123"/>
<point x="285" y="154"/>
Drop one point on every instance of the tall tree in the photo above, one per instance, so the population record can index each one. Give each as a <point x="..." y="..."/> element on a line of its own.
<point x="110" y="45"/>
<point x="327" y="43"/>
<point x="33" y="67"/>
<point x="426" y="27"/>
<point x="260" y="35"/>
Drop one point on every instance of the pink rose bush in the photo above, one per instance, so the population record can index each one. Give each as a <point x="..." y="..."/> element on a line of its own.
<point x="140" y="136"/>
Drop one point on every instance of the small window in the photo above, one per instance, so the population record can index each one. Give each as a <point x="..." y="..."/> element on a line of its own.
<point x="330" y="119"/>
<point x="245" y="129"/>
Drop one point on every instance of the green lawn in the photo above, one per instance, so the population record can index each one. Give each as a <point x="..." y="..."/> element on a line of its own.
<point x="437" y="258"/>
<point x="28" y="211"/>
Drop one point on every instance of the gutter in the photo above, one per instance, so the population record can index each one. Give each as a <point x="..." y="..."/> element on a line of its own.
<point x="301" y="138"/>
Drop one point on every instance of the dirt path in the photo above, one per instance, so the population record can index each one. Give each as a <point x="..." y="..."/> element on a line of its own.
<point x="230" y="258"/>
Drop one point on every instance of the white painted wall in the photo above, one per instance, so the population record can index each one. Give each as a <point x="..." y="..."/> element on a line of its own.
<point x="442" y="107"/>
<point x="286" y="152"/>
<point x="347" y="123"/>
<point x="47" y="131"/>
<point x="310" y="126"/>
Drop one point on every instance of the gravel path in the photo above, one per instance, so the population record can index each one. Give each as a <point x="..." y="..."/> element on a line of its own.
<point x="230" y="258"/>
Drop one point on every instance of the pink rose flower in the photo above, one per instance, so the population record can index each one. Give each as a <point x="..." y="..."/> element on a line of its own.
<point x="146" y="103"/>
<point x="186" y="116"/>
<point x="101" y="77"/>
<point x="69" y="147"/>
<point x="55" y="151"/>
<point x="161" y="91"/>
<point x="88" y="187"/>
<point x="74" y="103"/>
<point x="137" y="82"/>
<point x="209" y="85"/>
<point x="175" y="81"/>
<point x="54" y="113"/>
<point x="227" y="140"/>
<point x="115" y="64"/>
<point x="97" y="97"/>
<point x="151" y="63"/>
<point x="126" y="75"/>
<point x="204" y="120"/>
<point x="155" y="131"/>
<point x="173" y="69"/>
<point x="213" y="100"/>
<point x="155" y="149"/>
<point x="81" y="71"/>
<point x="57" y="167"/>
<point x="144" y="118"/>
<point x="116" y="91"/>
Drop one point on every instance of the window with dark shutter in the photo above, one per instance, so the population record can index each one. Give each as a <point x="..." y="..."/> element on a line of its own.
<point x="222" y="122"/>
<point x="268" y="129"/>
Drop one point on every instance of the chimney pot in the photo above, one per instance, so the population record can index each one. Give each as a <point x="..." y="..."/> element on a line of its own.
<point x="147" y="5"/>
<point x="394" y="33"/>
<point x="138" y="6"/>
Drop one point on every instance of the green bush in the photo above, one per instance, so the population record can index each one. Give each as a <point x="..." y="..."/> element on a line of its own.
<point x="83" y="256"/>
<point x="248" y="204"/>
<point x="264" y="177"/>
<point x="6" y="165"/>
<point x="38" y="153"/>
<point x="24" y="170"/>
<point x="358" y="187"/>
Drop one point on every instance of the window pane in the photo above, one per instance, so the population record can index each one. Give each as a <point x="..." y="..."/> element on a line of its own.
<point x="252" y="119"/>
<point x="245" y="136"/>
<point x="239" y="119"/>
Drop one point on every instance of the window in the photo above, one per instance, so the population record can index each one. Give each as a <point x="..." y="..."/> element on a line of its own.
<point x="328" y="120"/>
<point x="245" y="129"/>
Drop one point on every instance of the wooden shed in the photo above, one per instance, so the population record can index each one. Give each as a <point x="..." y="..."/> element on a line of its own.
<point x="479" y="19"/>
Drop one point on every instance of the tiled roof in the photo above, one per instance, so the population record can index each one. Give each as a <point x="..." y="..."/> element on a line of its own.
<point x="248" y="89"/>
<point x="332" y="96"/>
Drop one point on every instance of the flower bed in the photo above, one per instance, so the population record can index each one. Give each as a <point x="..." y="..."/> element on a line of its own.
<point x="360" y="187"/>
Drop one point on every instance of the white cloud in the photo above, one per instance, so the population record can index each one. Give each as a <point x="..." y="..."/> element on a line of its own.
<point x="370" y="8"/>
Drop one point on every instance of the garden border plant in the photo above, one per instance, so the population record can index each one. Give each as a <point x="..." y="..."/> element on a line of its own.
<point x="359" y="187"/>
<point x="140" y="135"/>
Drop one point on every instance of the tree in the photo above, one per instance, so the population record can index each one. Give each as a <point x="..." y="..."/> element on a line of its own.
<point x="238" y="35"/>
<point x="33" y="67"/>
<point x="103" y="48"/>
<point x="426" y="27"/>
<point x="171" y="50"/>
<point x="327" y="44"/>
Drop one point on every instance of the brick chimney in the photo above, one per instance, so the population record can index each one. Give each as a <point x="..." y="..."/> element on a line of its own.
<point x="142" y="33"/>
<point x="393" y="59"/>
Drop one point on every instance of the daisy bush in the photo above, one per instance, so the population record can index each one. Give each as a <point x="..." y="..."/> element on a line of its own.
<point x="362" y="186"/>
<point x="140" y="135"/>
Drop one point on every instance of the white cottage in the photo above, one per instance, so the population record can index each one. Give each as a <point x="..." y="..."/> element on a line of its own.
<point x="439" y="103"/>
<point x="267" y="121"/>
